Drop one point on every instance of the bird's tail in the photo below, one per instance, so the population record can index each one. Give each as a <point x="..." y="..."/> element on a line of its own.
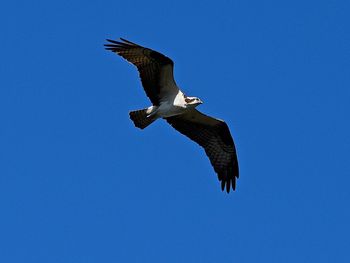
<point x="141" y="119"/>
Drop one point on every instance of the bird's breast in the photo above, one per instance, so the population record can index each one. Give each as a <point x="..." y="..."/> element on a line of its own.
<point x="167" y="109"/>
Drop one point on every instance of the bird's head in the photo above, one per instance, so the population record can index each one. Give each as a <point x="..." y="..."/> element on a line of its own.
<point x="193" y="101"/>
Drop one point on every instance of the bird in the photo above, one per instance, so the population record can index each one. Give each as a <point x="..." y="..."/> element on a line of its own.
<point x="171" y="104"/>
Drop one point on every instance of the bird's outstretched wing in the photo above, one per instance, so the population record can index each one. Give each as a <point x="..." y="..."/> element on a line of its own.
<point x="215" y="137"/>
<point x="156" y="70"/>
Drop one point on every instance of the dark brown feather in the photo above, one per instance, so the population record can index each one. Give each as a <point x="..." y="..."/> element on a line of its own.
<point x="215" y="137"/>
<point x="150" y="64"/>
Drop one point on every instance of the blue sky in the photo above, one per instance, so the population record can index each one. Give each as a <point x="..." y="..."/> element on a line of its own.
<point x="78" y="183"/>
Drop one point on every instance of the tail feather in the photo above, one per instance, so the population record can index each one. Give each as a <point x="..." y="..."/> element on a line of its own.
<point x="140" y="119"/>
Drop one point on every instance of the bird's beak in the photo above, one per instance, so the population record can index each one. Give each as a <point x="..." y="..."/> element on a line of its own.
<point x="200" y="102"/>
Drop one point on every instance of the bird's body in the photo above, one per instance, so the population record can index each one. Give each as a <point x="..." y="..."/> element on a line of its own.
<point x="171" y="104"/>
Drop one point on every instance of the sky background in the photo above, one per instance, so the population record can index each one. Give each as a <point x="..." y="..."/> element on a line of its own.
<point x="78" y="183"/>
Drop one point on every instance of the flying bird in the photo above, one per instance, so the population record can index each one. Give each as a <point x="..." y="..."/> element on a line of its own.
<point x="179" y="110"/>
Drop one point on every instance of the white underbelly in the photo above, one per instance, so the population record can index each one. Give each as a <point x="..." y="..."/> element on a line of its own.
<point x="167" y="110"/>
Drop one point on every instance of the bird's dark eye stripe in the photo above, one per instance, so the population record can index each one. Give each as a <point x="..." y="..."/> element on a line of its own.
<point x="189" y="100"/>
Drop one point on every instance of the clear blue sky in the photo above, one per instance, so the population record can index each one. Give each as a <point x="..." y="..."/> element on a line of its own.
<point x="78" y="183"/>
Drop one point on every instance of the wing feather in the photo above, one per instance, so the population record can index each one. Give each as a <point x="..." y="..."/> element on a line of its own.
<point x="215" y="137"/>
<point x="155" y="69"/>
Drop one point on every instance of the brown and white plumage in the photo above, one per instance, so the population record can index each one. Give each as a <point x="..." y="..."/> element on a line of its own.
<point x="170" y="103"/>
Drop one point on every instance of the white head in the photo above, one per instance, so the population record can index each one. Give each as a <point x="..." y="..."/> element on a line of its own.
<point x="192" y="101"/>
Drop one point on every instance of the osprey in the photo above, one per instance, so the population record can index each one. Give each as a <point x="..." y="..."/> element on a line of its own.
<point x="179" y="110"/>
